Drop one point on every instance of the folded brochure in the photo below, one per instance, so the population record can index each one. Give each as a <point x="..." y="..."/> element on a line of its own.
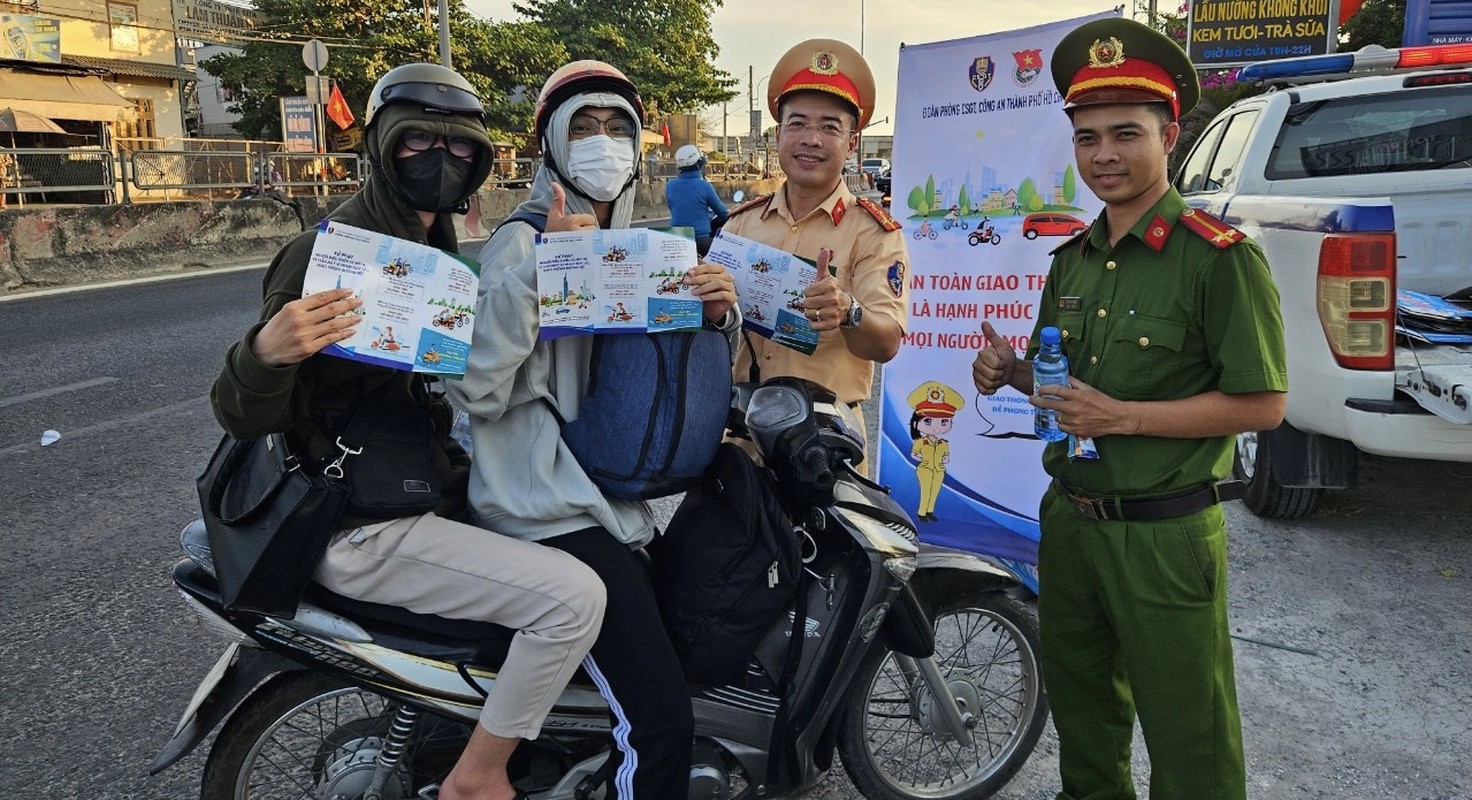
<point x="418" y="301"/>
<point x="769" y="287"/>
<point x="627" y="280"/>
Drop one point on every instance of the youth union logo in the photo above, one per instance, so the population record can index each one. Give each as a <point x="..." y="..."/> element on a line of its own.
<point x="981" y="72"/>
<point x="1029" y="66"/>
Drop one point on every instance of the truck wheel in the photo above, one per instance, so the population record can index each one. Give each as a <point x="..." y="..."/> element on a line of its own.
<point x="1265" y="496"/>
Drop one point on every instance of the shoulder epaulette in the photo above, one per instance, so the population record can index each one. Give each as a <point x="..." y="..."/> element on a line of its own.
<point x="752" y="203"/>
<point x="1076" y="239"/>
<point x="877" y="211"/>
<point x="1218" y="233"/>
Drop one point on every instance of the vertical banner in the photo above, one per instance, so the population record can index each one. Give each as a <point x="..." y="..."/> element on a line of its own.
<point x="985" y="184"/>
<point x="299" y="124"/>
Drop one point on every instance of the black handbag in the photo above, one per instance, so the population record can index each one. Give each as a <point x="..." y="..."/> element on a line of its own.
<point x="269" y="517"/>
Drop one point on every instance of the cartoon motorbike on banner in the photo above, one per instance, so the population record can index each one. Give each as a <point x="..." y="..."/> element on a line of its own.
<point x="919" y="666"/>
<point x="985" y="232"/>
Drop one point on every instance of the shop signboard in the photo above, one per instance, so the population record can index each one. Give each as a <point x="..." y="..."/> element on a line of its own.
<point x="1230" y="33"/>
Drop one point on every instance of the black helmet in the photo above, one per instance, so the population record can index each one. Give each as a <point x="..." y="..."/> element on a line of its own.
<point x="430" y="85"/>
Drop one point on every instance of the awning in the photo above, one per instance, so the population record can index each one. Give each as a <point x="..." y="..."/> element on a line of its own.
<point x="142" y="69"/>
<point x="63" y="96"/>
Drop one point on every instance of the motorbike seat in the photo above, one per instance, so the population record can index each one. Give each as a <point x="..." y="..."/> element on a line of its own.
<point x="459" y="640"/>
<point x="462" y="640"/>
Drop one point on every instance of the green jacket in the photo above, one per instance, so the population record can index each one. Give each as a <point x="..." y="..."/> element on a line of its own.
<point x="307" y="400"/>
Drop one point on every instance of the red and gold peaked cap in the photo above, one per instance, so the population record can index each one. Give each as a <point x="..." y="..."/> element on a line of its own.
<point x="1118" y="60"/>
<point x="824" y="65"/>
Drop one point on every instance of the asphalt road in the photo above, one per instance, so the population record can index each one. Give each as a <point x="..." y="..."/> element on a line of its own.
<point x="1354" y="657"/>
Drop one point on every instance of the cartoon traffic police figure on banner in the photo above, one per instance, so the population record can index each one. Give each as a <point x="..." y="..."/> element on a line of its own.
<point x="935" y="407"/>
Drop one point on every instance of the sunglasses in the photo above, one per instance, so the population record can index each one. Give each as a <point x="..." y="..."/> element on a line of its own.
<point x="419" y="141"/>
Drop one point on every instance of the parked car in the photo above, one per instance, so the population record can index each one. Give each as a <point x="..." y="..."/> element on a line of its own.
<point x="874" y="166"/>
<point x="882" y="183"/>
<point x="1051" y="224"/>
<point x="1352" y="176"/>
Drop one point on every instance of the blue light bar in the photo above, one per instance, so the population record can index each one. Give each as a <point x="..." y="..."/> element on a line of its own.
<point x="1333" y="64"/>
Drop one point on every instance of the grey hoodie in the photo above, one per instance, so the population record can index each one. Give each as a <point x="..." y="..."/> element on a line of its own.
<point x="524" y="480"/>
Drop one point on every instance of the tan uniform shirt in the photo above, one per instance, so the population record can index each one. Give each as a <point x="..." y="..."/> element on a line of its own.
<point x="871" y="264"/>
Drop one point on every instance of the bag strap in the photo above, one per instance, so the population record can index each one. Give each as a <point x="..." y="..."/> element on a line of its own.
<point x="783" y="728"/>
<point x="753" y="373"/>
<point x="538" y="221"/>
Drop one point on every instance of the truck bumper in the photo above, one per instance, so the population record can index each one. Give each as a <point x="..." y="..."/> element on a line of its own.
<point x="1403" y="429"/>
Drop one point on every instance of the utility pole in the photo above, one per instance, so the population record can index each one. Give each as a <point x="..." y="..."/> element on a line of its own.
<point x="445" y="33"/>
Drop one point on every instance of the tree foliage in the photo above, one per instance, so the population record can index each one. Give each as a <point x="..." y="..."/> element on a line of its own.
<point x="1381" y="22"/>
<point x="1027" y="196"/>
<point x="664" y="46"/>
<point x="1070" y="184"/>
<point x="964" y="200"/>
<point x="367" y="39"/>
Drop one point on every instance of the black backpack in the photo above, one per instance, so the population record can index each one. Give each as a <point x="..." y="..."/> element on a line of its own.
<point x="655" y="408"/>
<point x="727" y="566"/>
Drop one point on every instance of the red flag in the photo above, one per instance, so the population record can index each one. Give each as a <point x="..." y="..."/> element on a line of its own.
<point x="666" y="131"/>
<point x="337" y="109"/>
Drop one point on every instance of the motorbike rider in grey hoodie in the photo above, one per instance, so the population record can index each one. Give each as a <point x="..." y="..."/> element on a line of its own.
<point x="525" y="481"/>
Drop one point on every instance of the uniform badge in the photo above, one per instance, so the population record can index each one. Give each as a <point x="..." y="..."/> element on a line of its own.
<point x="1106" y="53"/>
<point x="897" y="278"/>
<point x="1070" y="303"/>
<point x="824" y="63"/>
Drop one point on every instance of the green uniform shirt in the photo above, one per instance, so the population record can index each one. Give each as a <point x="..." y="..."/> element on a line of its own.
<point x="1164" y="314"/>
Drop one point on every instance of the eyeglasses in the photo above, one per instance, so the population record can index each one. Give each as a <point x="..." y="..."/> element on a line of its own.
<point x="583" y="126"/>
<point x="419" y="141"/>
<point x="830" y="130"/>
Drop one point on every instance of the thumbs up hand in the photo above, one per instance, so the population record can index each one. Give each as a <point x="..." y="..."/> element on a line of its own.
<point x="824" y="304"/>
<point x="559" y="220"/>
<point x="994" y="363"/>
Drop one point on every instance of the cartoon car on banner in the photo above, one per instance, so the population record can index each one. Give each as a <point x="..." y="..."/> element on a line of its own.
<point x="1051" y="224"/>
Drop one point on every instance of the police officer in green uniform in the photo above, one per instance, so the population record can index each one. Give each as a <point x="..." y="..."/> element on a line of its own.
<point x="1171" y="325"/>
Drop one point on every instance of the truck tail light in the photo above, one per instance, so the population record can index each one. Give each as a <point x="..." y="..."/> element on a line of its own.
<point x="1356" y="298"/>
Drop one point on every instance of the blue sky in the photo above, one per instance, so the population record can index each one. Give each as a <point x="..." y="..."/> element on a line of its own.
<point x="756" y="33"/>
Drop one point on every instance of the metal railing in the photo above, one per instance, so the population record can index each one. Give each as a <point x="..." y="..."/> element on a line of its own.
<point x="208" y="171"/>
<point x="49" y="171"/>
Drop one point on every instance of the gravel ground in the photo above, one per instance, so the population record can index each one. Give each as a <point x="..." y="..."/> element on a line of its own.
<point x="1353" y="651"/>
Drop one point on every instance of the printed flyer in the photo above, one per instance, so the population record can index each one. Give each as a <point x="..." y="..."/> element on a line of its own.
<point x="616" y="281"/>
<point x="769" y="286"/>
<point x="418" y="302"/>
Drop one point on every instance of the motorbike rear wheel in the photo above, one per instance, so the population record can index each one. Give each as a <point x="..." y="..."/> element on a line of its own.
<point x="308" y="735"/>
<point x="894" y="746"/>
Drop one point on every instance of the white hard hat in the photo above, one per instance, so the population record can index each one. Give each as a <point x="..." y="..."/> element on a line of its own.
<point x="688" y="156"/>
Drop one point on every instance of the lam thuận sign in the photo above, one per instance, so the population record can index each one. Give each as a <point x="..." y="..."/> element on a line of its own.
<point x="1229" y="33"/>
<point x="212" y="21"/>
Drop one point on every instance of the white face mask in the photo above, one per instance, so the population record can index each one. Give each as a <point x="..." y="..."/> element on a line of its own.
<point x="600" y="166"/>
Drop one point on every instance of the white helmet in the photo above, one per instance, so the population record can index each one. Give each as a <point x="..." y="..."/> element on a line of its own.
<point x="688" y="156"/>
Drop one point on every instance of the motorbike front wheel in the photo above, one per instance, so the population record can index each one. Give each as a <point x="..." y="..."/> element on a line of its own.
<point x="311" y="735"/>
<point x="892" y="741"/>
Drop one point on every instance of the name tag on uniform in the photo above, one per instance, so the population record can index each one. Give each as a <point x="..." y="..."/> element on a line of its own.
<point x="1070" y="303"/>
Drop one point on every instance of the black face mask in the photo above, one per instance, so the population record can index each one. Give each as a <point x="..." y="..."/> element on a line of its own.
<point x="433" y="180"/>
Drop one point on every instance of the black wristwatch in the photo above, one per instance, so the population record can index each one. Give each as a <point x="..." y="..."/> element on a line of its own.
<point x="855" y="314"/>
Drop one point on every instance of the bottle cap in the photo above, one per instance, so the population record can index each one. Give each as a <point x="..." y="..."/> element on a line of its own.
<point x="1050" y="336"/>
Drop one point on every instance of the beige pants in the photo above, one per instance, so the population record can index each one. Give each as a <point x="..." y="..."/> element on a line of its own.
<point x="432" y="565"/>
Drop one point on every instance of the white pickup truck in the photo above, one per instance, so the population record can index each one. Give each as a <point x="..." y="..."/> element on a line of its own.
<point x="1355" y="176"/>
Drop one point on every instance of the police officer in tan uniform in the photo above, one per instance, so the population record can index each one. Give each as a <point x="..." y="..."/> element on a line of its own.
<point x="822" y="95"/>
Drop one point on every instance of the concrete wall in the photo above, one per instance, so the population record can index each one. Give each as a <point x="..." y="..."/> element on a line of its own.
<point x="45" y="246"/>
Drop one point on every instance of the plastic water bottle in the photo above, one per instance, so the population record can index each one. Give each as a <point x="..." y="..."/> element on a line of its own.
<point x="1050" y="368"/>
